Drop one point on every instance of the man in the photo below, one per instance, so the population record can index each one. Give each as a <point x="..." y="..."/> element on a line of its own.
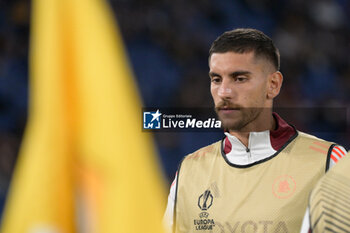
<point x="329" y="202"/>
<point x="257" y="179"/>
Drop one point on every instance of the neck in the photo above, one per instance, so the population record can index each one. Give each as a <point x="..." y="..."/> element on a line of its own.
<point x="265" y="123"/>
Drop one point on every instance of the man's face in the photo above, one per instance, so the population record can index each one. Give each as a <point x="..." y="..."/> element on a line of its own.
<point x="239" y="85"/>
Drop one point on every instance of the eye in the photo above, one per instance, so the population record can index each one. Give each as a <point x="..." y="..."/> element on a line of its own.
<point x="241" y="79"/>
<point x="215" y="79"/>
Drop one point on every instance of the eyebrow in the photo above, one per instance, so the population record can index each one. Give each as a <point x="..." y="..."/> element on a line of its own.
<point x="233" y="74"/>
<point x="213" y="74"/>
<point x="240" y="72"/>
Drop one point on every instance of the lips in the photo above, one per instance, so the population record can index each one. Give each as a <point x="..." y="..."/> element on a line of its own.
<point x="230" y="111"/>
<point x="227" y="108"/>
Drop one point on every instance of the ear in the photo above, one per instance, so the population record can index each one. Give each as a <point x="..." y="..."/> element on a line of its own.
<point x="274" y="84"/>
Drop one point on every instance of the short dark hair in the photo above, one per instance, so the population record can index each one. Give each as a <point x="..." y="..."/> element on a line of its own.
<point x="244" y="40"/>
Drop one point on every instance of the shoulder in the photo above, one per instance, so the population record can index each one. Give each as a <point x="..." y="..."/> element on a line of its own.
<point x="312" y="138"/>
<point x="204" y="152"/>
<point x="333" y="150"/>
<point x="198" y="160"/>
<point x="313" y="142"/>
<point x="207" y="150"/>
<point x="310" y="144"/>
<point x="336" y="152"/>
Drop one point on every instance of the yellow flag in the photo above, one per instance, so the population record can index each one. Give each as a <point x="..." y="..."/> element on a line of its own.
<point x="84" y="165"/>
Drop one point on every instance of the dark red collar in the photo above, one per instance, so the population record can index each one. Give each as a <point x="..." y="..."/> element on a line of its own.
<point x="282" y="134"/>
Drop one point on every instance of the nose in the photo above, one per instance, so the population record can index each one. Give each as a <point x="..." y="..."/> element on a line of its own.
<point x="225" y="90"/>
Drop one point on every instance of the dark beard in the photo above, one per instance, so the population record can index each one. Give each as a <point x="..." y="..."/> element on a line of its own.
<point x="246" y="116"/>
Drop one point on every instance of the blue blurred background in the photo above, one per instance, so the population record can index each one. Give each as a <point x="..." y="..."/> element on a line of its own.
<point x="168" y="43"/>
